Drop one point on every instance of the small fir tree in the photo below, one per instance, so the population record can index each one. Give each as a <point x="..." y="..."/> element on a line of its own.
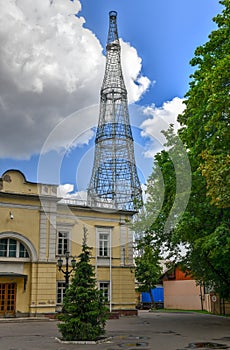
<point x="84" y="312"/>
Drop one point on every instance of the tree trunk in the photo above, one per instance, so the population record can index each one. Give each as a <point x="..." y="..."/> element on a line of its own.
<point x="152" y="299"/>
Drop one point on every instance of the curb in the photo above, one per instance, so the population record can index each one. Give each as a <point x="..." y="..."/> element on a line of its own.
<point x="100" y="341"/>
<point x="25" y="319"/>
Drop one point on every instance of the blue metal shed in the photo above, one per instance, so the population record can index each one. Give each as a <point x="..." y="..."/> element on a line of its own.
<point x="158" y="296"/>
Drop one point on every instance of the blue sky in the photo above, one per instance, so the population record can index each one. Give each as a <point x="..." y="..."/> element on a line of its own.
<point x="165" y="34"/>
<point x="52" y="64"/>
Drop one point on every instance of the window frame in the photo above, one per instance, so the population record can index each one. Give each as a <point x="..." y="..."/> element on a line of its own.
<point x="60" y="290"/>
<point x="105" y="231"/>
<point x="13" y="253"/>
<point x="104" y="246"/>
<point x="105" y="289"/>
<point x="63" y="249"/>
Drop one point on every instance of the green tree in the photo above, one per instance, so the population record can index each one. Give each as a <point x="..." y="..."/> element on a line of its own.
<point x="168" y="192"/>
<point x="202" y="228"/>
<point x="148" y="269"/>
<point x="206" y="119"/>
<point x="84" y="312"/>
<point x="205" y="133"/>
<point x="200" y="239"/>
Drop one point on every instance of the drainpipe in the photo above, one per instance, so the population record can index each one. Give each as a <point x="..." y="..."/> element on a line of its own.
<point x="110" y="271"/>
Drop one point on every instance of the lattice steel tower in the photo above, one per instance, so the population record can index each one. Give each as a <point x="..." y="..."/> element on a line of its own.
<point x="114" y="182"/>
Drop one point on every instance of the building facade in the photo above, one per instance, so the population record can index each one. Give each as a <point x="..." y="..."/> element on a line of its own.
<point x="37" y="227"/>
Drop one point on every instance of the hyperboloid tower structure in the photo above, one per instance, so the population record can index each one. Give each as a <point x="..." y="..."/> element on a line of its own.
<point x="114" y="182"/>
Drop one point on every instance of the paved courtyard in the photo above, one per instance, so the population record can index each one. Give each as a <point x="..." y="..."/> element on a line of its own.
<point x="148" y="331"/>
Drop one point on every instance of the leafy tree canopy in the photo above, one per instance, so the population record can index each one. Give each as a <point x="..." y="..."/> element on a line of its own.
<point x="206" y="119"/>
<point x="202" y="226"/>
<point x="148" y="269"/>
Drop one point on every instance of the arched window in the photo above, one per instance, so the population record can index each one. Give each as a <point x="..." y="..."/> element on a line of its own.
<point x="11" y="248"/>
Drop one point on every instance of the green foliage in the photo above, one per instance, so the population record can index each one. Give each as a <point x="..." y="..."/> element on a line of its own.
<point x="206" y="223"/>
<point x="203" y="226"/>
<point x="207" y="115"/>
<point x="148" y="269"/>
<point x="215" y="169"/>
<point x="84" y="312"/>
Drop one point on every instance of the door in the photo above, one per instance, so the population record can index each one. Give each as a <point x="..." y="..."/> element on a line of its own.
<point x="7" y="299"/>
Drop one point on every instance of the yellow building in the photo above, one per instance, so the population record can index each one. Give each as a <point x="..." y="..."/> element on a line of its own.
<point x="36" y="227"/>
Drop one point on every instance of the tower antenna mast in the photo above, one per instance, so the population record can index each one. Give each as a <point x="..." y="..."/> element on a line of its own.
<point x="114" y="181"/>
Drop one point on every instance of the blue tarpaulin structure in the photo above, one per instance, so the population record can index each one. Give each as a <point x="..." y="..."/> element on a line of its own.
<point x="157" y="293"/>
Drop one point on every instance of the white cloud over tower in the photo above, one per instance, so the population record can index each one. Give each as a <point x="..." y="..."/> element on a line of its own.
<point x="51" y="66"/>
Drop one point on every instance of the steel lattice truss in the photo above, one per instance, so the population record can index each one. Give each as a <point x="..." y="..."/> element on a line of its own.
<point x="114" y="182"/>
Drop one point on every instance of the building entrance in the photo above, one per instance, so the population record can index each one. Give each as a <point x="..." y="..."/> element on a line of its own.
<point x="8" y="299"/>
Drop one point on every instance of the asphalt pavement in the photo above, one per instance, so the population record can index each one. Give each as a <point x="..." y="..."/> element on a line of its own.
<point x="147" y="331"/>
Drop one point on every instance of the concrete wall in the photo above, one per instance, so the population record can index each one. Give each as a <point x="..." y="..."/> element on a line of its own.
<point x="183" y="294"/>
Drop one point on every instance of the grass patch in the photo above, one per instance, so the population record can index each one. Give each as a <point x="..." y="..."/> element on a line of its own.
<point x="180" y="311"/>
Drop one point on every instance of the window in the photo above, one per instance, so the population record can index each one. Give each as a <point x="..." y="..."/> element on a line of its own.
<point x="60" y="291"/>
<point x="11" y="248"/>
<point x="104" y="287"/>
<point x="22" y="251"/>
<point x="103" y="244"/>
<point x="103" y="237"/>
<point x="3" y="247"/>
<point x="63" y="239"/>
<point x="12" y="243"/>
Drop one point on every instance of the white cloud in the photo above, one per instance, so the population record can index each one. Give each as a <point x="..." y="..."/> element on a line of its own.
<point x="50" y="66"/>
<point x="136" y="84"/>
<point x="160" y="119"/>
<point x="66" y="191"/>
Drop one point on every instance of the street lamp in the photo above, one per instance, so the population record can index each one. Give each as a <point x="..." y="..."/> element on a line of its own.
<point x="66" y="272"/>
